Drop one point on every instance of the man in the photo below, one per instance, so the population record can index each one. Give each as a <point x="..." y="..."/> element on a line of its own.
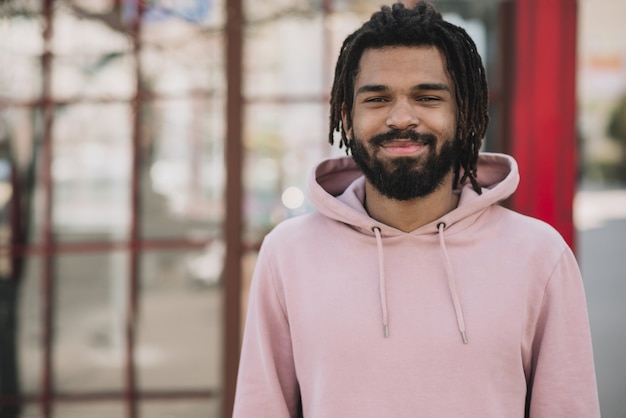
<point x="410" y="292"/>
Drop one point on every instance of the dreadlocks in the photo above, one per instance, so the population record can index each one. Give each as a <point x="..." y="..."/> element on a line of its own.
<point x="419" y="26"/>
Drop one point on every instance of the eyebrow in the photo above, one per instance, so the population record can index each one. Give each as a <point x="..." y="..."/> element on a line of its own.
<point x="377" y="88"/>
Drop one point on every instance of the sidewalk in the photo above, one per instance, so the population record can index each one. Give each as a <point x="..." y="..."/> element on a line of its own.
<point x="601" y="223"/>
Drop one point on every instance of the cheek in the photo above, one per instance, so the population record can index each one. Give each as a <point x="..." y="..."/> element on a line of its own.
<point x="366" y="127"/>
<point x="445" y="124"/>
<point x="357" y="131"/>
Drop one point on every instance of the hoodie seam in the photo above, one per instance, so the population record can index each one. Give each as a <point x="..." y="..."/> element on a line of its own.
<point x="541" y="307"/>
<point x="558" y="261"/>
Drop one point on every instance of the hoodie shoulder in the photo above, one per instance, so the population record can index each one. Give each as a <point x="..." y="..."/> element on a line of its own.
<point x="532" y="233"/>
<point x="294" y="230"/>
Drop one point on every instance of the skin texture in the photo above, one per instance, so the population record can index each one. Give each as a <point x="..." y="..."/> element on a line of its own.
<point x="406" y="89"/>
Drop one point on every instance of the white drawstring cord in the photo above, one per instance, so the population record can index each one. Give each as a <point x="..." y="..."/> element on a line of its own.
<point x="452" y="285"/>
<point x="381" y="281"/>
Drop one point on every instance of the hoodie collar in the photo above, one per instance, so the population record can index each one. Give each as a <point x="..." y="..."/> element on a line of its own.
<point x="337" y="189"/>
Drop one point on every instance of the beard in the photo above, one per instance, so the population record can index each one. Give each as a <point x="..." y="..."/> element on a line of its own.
<point x="406" y="178"/>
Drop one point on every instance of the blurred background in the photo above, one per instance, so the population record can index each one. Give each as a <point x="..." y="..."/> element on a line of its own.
<point x="147" y="147"/>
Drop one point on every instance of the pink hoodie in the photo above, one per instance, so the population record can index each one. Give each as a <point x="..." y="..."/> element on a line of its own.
<point x="479" y="314"/>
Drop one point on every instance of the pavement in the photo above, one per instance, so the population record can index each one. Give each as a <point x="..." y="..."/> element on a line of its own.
<point x="600" y="217"/>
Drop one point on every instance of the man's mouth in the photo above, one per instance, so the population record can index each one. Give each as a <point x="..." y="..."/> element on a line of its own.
<point x="403" y="147"/>
<point x="401" y="142"/>
<point x="403" y="138"/>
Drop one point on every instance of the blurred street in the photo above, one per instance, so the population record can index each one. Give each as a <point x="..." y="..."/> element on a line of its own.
<point x="601" y="249"/>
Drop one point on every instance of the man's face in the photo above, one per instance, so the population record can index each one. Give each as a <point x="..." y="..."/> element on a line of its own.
<point x="403" y="120"/>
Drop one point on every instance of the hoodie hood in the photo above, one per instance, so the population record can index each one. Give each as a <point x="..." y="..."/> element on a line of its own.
<point x="337" y="190"/>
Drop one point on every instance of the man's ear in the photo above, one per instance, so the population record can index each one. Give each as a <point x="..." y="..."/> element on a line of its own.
<point x="344" y="122"/>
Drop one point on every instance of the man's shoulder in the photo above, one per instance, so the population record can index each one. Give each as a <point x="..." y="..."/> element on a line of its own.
<point x="297" y="228"/>
<point x="300" y="239"/>
<point x="534" y="229"/>
<point x="531" y="242"/>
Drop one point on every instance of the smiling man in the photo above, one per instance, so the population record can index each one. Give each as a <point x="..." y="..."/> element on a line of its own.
<point x="410" y="292"/>
<point x="403" y="128"/>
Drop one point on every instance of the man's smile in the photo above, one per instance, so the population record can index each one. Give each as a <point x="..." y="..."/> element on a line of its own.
<point x="403" y="147"/>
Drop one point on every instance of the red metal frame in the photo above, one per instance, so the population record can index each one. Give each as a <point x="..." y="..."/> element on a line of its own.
<point x="48" y="249"/>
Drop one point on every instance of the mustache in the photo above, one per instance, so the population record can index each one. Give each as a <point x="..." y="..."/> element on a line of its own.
<point x="394" y="134"/>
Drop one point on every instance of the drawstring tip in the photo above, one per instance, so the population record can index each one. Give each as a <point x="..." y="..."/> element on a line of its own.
<point x="386" y="330"/>
<point x="464" y="336"/>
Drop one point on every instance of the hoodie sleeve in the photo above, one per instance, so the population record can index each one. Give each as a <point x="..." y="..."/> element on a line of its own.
<point x="266" y="385"/>
<point x="563" y="383"/>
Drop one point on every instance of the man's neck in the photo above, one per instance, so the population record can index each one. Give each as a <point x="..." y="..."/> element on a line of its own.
<point x="410" y="214"/>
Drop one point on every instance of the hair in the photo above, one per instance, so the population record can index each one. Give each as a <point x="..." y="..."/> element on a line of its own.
<point x="421" y="25"/>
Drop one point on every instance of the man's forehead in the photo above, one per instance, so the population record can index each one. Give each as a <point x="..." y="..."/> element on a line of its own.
<point x="420" y="65"/>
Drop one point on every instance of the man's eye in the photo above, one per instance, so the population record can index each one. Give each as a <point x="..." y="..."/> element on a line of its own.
<point x="428" y="99"/>
<point x="375" y="100"/>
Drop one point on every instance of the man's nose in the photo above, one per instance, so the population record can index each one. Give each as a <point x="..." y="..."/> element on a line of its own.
<point x="403" y="115"/>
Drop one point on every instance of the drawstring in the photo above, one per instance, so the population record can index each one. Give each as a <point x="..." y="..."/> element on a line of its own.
<point x="451" y="284"/>
<point x="449" y="274"/>
<point x="382" y="281"/>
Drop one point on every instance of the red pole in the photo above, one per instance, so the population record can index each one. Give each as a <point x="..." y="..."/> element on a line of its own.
<point x="543" y="123"/>
<point x="234" y="192"/>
